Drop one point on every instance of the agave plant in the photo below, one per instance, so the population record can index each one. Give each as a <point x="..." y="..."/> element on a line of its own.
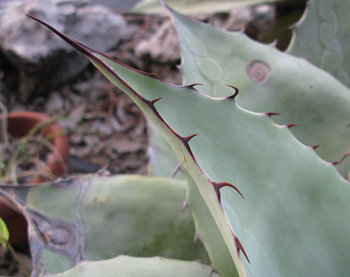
<point x="267" y="199"/>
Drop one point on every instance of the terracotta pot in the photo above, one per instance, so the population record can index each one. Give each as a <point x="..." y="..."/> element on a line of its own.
<point x="19" y="124"/>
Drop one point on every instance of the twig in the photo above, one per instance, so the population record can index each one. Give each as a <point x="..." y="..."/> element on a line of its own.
<point x="8" y="244"/>
<point x="3" y="132"/>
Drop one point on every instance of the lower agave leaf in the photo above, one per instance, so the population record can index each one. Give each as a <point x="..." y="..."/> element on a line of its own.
<point x="95" y="218"/>
<point x="125" y="266"/>
<point x="287" y="210"/>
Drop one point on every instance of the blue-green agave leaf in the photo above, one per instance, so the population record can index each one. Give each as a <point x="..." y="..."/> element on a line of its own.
<point x="94" y="217"/>
<point x="124" y="266"/>
<point x="322" y="37"/>
<point x="269" y="81"/>
<point x="281" y="210"/>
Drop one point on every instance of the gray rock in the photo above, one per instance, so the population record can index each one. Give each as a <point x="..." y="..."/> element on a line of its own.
<point x="42" y="59"/>
<point x="162" y="47"/>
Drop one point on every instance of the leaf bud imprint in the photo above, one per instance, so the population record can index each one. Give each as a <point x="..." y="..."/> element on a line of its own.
<point x="258" y="71"/>
<point x="57" y="235"/>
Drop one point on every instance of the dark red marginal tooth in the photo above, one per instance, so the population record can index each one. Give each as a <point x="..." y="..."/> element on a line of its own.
<point x="153" y="108"/>
<point x="193" y="85"/>
<point x="342" y="159"/>
<point x="185" y="141"/>
<point x="233" y="96"/>
<point x="217" y="190"/>
<point x="240" y="247"/>
<point x="347" y="126"/>
<point x="315" y="146"/>
<point x="151" y="105"/>
<point x="188" y="138"/>
<point x="156" y="100"/>
<point x="292" y="125"/>
<point x="271" y="114"/>
<point x="218" y="186"/>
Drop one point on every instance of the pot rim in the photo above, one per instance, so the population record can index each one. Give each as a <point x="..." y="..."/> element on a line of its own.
<point x="25" y="121"/>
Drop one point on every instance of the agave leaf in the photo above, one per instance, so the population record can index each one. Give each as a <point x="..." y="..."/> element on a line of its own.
<point x="130" y="81"/>
<point x="322" y="36"/>
<point x="125" y="266"/>
<point x="195" y="6"/>
<point x="95" y="218"/>
<point x="4" y="233"/>
<point x="163" y="161"/>
<point x="269" y="81"/>
<point x="293" y="219"/>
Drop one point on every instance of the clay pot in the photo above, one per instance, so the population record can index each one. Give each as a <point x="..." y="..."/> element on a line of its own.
<point x="19" y="124"/>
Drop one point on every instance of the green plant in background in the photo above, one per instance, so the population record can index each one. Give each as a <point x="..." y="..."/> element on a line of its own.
<point x="280" y="206"/>
<point x="4" y="233"/>
<point x="4" y="241"/>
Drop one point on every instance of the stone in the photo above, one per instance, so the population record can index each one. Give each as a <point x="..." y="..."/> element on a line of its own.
<point x="42" y="59"/>
<point x="55" y="103"/>
<point x="162" y="47"/>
